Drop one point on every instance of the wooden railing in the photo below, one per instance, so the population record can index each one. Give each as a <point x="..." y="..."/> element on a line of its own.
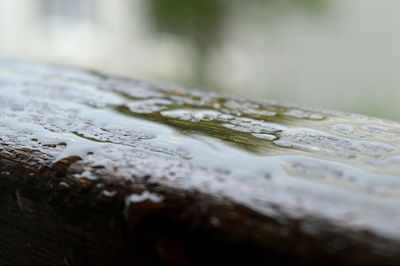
<point x="102" y="170"/>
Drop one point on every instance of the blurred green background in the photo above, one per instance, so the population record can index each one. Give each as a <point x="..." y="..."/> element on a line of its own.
<point x="339" y="54"/>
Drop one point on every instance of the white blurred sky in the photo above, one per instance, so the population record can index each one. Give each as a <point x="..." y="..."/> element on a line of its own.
<point x="346" y="57"/>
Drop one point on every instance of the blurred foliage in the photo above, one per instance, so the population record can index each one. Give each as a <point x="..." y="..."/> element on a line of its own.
<point x="200" y="22"/>
<point x="312" y="5"/>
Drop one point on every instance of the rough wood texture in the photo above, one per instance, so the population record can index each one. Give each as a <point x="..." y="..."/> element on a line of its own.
<point x="101" y="170"/>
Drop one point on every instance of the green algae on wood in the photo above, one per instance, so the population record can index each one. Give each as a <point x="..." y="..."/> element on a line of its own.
<point x="335" y="175"/>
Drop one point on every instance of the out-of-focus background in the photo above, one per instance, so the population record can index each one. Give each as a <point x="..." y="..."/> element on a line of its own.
<point x="342" y="54"/>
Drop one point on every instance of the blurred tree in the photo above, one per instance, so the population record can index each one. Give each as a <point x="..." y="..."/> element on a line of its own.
<point x="197" y="21"/>
<point x="200" y="22"/>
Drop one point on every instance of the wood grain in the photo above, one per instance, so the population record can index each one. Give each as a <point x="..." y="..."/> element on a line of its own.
<point x="103" y="170"/>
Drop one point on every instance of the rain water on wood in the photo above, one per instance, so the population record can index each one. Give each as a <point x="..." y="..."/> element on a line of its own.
<point x="254" y="153"/>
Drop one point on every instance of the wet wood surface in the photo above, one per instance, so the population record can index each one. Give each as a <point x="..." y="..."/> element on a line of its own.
<point x="103" y="170"/>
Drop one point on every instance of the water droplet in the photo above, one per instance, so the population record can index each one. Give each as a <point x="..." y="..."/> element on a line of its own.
<point x="145" y="196"/>
<point x="215" y="222"/>
<point x="109" y="194"/>
<point x="345" y="129"/>
<point x="87" y="174"/>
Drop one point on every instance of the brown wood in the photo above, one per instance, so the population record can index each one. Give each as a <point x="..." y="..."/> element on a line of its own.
<point x="101" y="170"/>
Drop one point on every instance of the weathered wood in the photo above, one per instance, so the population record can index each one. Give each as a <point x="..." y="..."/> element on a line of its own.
<point x="101" y="170"/>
